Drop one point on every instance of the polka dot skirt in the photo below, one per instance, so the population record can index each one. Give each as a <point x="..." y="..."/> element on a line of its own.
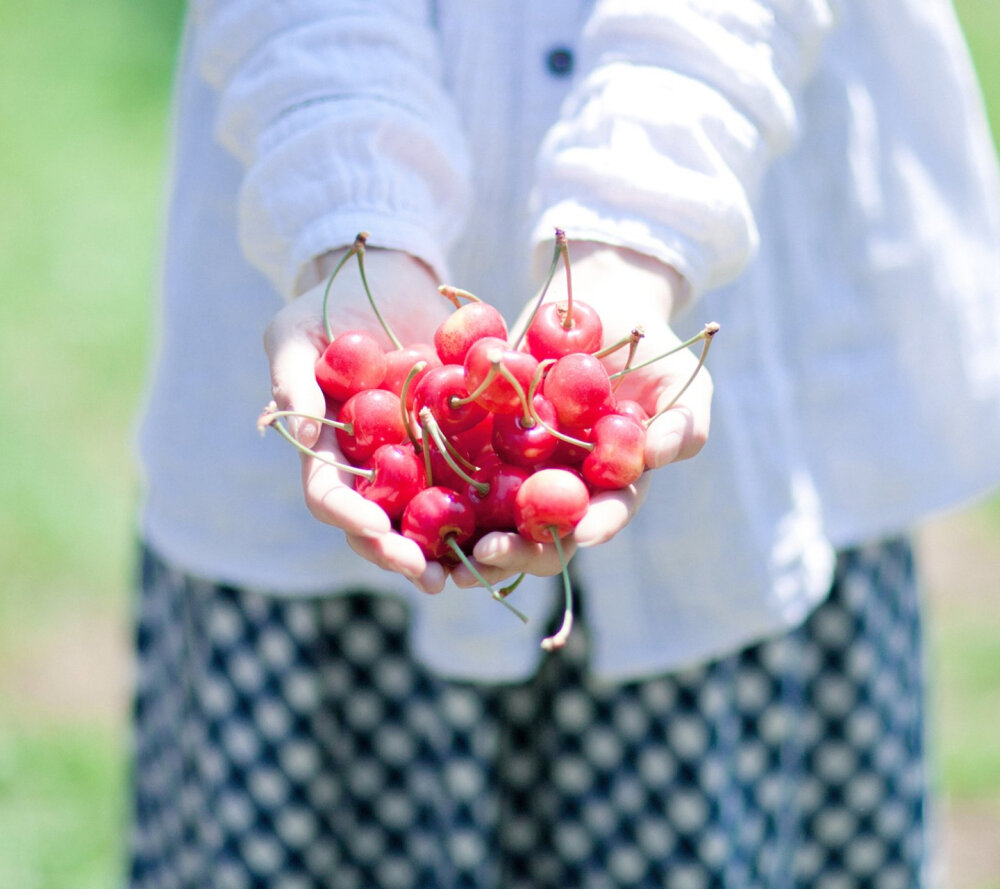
<point x="296" y="745"/>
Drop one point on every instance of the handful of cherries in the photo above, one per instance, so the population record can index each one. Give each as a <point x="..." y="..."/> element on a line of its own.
<point x="474" y="433"/>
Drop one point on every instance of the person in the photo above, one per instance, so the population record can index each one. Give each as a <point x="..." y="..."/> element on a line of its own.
<point x="741" y="703"/>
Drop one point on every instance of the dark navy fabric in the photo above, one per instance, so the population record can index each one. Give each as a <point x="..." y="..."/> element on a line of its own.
<point x="296" y="745"/>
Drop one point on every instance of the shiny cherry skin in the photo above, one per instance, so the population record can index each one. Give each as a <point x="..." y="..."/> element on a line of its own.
<point x="433" y="516"/>
<point x="550" y="337"/>
<point x="550" y="501"/>
<point x="351" y="362"/>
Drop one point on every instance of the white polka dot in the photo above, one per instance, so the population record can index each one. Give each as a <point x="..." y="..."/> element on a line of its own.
<point x="364" y="643"/>
<point x="574" y="711"/>
<point x="835" y="826"/>
<point x="268" y="786"/>
<point x="262" y="853"/>
<point x="394" y="744"/>
<point x="688" y="737"/>
<point x="656" y="767"/>
<point x="395" y="871"/>
<point x="627" y="865"/>
<point x="241" y="742"/>
<point x="235" y="810"/>
<point x="299" y="759"/>
<point x="395" y="810"/>
<point x="573" y="775"/>
<point x="688" y="811"/>
<point x="465" y="778"/>
<point x="572" y="841"/>
<point x="296" y="826"/>
<point x="246" y="672"/>
<point x="273" y="718"/>
<point x="363" y="710"/>
<point x="835" y="762"/>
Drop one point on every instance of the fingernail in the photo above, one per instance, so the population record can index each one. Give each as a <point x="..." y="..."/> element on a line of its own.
<point x="306" y="431"/>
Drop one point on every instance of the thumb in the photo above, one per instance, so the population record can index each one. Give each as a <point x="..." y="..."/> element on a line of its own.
<point x="293" y="381"/>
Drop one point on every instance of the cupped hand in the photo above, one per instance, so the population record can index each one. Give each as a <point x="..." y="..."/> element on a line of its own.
<point x="407" y="298"/>
<point x="628" y="291"/>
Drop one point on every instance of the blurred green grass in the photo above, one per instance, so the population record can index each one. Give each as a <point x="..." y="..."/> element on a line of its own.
<point x="83" y="125"/>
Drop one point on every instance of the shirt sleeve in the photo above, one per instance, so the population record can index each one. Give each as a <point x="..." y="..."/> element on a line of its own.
<point x="338" y="113"/>
<point x="677" y="112"/>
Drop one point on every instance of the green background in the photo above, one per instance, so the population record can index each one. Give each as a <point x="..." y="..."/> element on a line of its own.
<point x="84" y="92"/>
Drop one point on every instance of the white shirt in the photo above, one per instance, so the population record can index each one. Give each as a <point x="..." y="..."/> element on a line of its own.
<point x="821" y="174"/>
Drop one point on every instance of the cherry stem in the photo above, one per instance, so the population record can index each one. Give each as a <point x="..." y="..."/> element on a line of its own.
<point x="708" y="334"/>
<point x="634" y="338"/>
<point x="482" y="580"/>
<point x="567" y="315"/>
<point x="404" y="397"/>
<point x="454" y="294"/>
<point x="555" y="433"/>
<point x="710" y="330"/>
<point x="560" y="246"/>
<point x="358" y="244"/>
<point x="344" y="467"/>
<point x="513" y="585"/>
<point x="635" y="335"/>
<point x="495" y="356"/>
<point x="430" y="426"/>
<point x="559" y="638"/>
<point x="528" y="418"/>
<point x="396" y="344"/>
<point x="271" y="413"/>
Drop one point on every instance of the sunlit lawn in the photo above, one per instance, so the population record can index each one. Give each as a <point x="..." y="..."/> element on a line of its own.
<point x="83" y="98"/>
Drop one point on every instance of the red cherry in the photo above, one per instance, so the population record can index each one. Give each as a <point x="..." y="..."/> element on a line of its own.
<point x="351" y="362"/>
<point x="377" y="419"/>
<point x="433" y="516"/>
<point x="399" y="363"/>
<point x="398" y="476"/>
<point x="499" y="396"/>
<point x="495" y="509"/>
<point x="550" y="500"/>
<point x="526" y="445"/>
<point x="578" y="386"/>
<point x="439" y="390"/>
<point x="618" y="457"/>
<point x="468" y="323"/>
<point x="550" y="337"/>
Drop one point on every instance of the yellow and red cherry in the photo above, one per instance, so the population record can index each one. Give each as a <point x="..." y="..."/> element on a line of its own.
<point x="350" y="363"/>
<point x="372" y="417"/>
<point x="550" y="502"/>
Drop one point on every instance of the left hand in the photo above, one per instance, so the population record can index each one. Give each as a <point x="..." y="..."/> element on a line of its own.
<point x="626" y="289"/>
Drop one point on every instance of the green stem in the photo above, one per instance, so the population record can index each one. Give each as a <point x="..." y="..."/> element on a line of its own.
<point x="708" y="335"/>
<point x="357" y="245"/>
<point x="430" y="426"/>
<point x="404" y="397"/>
<point x="364" y="280"/>
<point x="560" y="247"/>
<point x="271" y="413"/>
<point x="345" y="467"/>
<point x="559" y="638"/>
<point x="482" y="580"/>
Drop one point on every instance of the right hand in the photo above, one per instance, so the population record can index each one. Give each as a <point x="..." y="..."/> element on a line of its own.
<point x="407" y="297"/>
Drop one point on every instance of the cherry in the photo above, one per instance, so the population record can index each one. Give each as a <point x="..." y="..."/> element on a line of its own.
<point x="489" y="366"/>
<point x="618" y="455"/>
<point x="560" y="328"/>
<point x="397" y="476"/>
<point x="443" y="391"/>
<point x="579" y="387"/>
<point x="435" y="515"/>
<point x="399" y="363"/>
<point x="374" y="418"/>
<point x="524" y="445"/>
<point x="468" y="323"/>
<point x="550" y="503"/>
<point x="495" y="508"/>
<point x="351" y="362"/>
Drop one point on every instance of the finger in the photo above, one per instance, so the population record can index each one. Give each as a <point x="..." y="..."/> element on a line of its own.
<point x="330" y="495"/>
<point x="609" y="512"/>
<point x="393" y="552"/>
<point x="681" y="432"/>
<point x="465" y="579"/>
<point x="513" y="553"/>
<point x="292" y="348"/>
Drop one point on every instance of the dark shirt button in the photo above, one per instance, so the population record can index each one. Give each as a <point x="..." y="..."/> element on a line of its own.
<point x="560" y="61"/>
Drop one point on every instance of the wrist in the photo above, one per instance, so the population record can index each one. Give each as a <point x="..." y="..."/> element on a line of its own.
<point x="620" y="277"/>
